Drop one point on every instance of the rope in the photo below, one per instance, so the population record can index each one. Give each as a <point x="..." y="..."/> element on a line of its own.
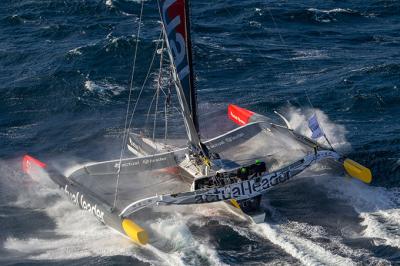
<point x="305" y="90"/>
<point x="144" y="83"/>
<point x="128" y="104"/>
<point x="158" y="90"/>
<point x="166" y="109"/>
<point x="290" y="60"/>
<point x="283" y="43"/>
<point x="287" y="50"/>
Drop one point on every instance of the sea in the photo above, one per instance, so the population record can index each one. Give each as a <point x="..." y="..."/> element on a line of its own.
<point x="65" y="80"/>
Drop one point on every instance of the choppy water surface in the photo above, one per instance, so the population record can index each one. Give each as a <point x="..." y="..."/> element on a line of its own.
<point x="64" y="78"/>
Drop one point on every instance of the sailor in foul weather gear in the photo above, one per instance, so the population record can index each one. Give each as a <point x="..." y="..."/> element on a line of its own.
<point x="260" y="168"/>
<point x="243" y="173"/>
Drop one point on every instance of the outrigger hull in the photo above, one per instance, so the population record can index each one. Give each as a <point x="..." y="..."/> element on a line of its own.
<point x="86" y="200"/>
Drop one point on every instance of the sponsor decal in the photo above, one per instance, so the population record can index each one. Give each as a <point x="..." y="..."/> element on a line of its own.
<point x="246" y="189"/>
<point x="173" y="20"/>
<point x="79" y="200"/>
<point x="226" y="140"/>
<point x="239" y="115"/>
<point x="256" y="186"/>
<point x="233" y="138"/>
<point x="141" y="162"/>
<point x="237" y="118"/>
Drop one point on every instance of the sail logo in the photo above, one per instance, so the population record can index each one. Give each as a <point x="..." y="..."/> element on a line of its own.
<point x="79" y="200"/>
<point x="175" y="31"/>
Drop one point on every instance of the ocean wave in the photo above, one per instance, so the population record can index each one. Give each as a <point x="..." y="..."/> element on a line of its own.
<point x="75" y="51"/>
<point x="103" y="89"/>
<point x="306" y="251"/>
<point x="310" y="55"/>
<point x="176" y="231"/>
<point x="332" y="11"/>
<point x="335" y="133"/>
<point x="315" y="15"/>
<point x="327" y="16"/>
<point x="378" y="207"/>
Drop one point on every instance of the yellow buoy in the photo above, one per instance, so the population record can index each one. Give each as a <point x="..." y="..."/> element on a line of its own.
<point x="358" y="171"/>
<point x="135" y="232"/>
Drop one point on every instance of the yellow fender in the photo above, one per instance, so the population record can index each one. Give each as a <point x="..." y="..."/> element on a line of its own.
<point x="357" y="170"/>
<point x="135" y="232"/>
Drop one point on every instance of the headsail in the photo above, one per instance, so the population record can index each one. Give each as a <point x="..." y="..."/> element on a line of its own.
<point x="175" y="20"/>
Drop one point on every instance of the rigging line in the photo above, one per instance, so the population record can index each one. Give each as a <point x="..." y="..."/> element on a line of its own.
<point x="155" y="115"/>
<point x="171" y="104"/>
<point x="287" y="50"/>
<point x="166" y="121"/>
<point x="132" y="74"/>
<point x="144" y="82"/>
<point x="152" y="101"/>
<point x="158" y="89"/>
<point x="257" y="50"/>
<point x="128" y="105"/>
<point x="151" y="104"/>
<point x="294" y="67"/>
<point x="149" y="110"/>
<point x="248" y="37"/>
<point x="167" y="105"/>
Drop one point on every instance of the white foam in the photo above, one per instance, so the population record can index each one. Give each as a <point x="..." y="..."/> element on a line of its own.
<point x="77" y="235"/>
<point x="68" y="171"/>
<point x="310" y="54"/>
<point x="75" y="51"/>
<point x="302" y="249"/>
<point x="103" y="87"/>
<point x="336" y="133"/>
<point x="109" y="3"/>
<point x="335" y="244"/>
<point x="175" y="230"/>
<point x="383" y="227"/>
<point x="302" y="241"/>
<point x="379" y="207"/>
<point x="290" y="237"/>
<point x="334" y="10"/>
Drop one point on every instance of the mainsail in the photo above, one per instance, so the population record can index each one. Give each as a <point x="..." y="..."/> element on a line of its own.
<point x="175" y="20"/>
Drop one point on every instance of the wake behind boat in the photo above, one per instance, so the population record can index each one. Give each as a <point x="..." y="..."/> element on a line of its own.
<point x="237" y="167"/>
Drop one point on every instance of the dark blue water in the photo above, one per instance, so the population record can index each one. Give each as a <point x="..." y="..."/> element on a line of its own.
<point x="64" y="79"/>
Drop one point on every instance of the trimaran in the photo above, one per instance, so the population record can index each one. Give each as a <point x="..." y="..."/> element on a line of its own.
<point x="118" y="191"/>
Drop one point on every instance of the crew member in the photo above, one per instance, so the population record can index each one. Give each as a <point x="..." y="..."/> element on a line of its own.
<point x="243" y="173"/>
<point x="260" y="168"/>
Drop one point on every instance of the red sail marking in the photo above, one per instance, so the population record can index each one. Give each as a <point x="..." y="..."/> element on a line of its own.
<point x="239" y="115"/>
<point x="27" y="162"/>
<point x="178" y="9"/>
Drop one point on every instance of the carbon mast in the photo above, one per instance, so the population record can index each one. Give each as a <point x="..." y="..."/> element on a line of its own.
<point x="193" y="91"/>
<point x="176" y="29"/>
